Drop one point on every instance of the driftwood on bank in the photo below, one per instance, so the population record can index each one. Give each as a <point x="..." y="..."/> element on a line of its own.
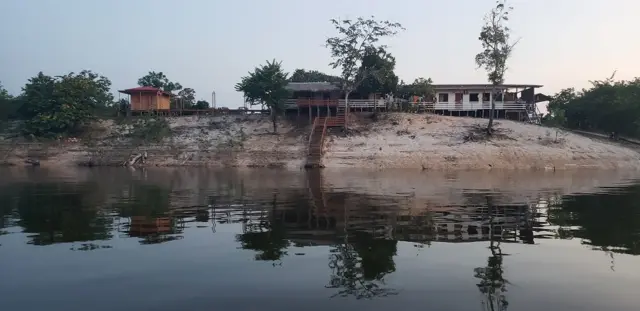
<point x="33" y="162"/>
<point x="136" y="159"/>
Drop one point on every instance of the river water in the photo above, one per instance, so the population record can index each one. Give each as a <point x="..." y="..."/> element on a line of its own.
<point x="185" y="239"/>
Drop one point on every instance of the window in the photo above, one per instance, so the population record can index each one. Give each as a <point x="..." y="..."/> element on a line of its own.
<point x="443" y="97"/>
<point x="474" y="97"/>
<point x="486" y="97"/>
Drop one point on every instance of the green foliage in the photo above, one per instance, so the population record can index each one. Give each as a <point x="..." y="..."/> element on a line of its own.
<point x="186" y="99"/>
<point x="496" y="48"/>
<point x="4" y="94"/>
<point x="420" y="87"/>
<point x="376" y="73"/>
<point x="356" y="40"/>
<point x="301" y="75"/>
<point x="159" y="80"/>
<point x="149" y="130"/>
<point x="54" y="106"/>
<point x="266" y="85"/>
<point x="123" y="106"/>
<point x="188" y="96"/>
<point x="608" y="106"/>
<point x="9" y="105"/>
<point x="556" y="107"/>
<point x="201" y="104"/>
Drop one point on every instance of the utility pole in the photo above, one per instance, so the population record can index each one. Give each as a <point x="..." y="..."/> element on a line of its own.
<point x="213" y="99"/>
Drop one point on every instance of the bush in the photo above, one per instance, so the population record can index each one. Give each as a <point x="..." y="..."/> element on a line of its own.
<point x="58" y="106"/>
<point x="150" y="129"/>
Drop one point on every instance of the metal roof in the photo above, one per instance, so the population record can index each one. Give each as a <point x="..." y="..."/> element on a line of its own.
<point x="312" y="86"/>
<point x="144" y="89"/>
<point x="482" y="86"/>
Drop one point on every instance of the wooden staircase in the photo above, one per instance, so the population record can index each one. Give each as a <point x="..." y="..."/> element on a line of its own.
<point x="317" y="135"/>
<point x="316" y="142"/>
<point x="338" y="120"/>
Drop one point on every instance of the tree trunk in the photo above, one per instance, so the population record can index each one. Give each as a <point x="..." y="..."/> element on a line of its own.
<point x="346" y="108"/>
<point x="274" y="120"/>
<point x="492" y="110"/>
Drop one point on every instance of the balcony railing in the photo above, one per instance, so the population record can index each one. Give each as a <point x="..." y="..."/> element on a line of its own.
<point x="381" y="103"/>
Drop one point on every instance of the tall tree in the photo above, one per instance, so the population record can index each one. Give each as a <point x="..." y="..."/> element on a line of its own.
<point x="496" y="50"/>
<point x="301" y="75"/>
<point x="348" y="49"/>
<point x="159" y="80"/>
<point x="381" y="79"/>
<point x="266" y="85"/>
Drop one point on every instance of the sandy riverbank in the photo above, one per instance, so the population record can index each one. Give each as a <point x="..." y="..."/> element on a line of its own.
<point x="395" y="140"/>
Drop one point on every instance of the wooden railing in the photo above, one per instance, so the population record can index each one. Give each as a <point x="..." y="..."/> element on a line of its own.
<point x="381" y="103"/>
<point x="313" y="128"/>
<point x="324" y="131"/>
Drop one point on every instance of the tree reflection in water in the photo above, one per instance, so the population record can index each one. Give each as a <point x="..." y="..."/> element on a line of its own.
<point x="492" y="283"/>
<point x="267" y="237"/>
<point x="61" y="212"/>
<point x="359" y="266"/>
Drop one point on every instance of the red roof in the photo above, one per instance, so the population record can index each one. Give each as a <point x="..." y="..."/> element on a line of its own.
<point x="144" y="89"/>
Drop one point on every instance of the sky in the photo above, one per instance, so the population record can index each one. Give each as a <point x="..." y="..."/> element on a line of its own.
<point x="209" y="45"/>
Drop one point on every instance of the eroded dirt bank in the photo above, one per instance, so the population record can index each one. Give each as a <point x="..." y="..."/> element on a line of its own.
<point x="395" y="140"/>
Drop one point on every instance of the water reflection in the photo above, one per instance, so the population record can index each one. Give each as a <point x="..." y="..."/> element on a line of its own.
<point x="361" y="230"/>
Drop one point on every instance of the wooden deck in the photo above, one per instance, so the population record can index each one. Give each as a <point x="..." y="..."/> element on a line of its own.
<point x="210" y="111"/>
<point x="356" y="104"/>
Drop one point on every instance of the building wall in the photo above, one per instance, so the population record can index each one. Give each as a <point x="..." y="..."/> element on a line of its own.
<point x="149" y="101"/>
<point x="164" y="102"/>
<point x="466" y="103"/>
<point x="141" y="101"/>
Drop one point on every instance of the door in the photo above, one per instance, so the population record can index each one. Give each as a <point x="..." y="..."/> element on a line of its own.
<point x="459" y="101"/>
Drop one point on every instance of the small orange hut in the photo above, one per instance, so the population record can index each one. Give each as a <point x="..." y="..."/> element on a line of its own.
<point x="147" y="98"/>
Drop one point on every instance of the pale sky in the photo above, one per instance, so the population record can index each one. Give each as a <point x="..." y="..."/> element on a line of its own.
<point x="209" y="44"/>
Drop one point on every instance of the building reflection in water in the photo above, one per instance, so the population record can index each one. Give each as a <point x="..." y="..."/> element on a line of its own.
<point x="361" y="230"/>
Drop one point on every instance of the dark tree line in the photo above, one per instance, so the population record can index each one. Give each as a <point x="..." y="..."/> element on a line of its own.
<point x="607" y="106"/>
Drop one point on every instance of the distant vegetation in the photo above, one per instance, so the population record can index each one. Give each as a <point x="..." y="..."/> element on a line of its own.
<point x="607" y="106"/>
<point x="58" y="106"/>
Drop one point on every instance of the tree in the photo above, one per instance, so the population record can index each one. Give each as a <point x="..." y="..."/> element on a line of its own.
<point x="266" y="85"/>
<point x="9" y="105"/>
<point x="382" y="78"/>
<point x="357" y="38"/>
<point x="301" y="75"/>
<point x="201" y="104"/>
<point x="4" y="94"/>
<point x="557" y="106"/>
<point x="496" y="50"/>
<point x="160" y="81"/>
<point x="62" y="105"/>
<point x="187" y="97"/>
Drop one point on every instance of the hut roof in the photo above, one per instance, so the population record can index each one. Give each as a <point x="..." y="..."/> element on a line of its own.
<point x="144" y="89"/>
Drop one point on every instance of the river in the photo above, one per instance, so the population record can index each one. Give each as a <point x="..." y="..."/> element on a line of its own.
<point x="195" y="239"/>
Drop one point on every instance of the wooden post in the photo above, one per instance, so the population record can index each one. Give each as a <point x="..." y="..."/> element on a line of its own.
<point x="308" y="106"/>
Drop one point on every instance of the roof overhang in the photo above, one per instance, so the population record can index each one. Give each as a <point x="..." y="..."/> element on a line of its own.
<point x="144" y="90"/>
<point x="483" y="86"/>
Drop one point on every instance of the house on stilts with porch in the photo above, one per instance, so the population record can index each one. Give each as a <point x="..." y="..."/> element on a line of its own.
<point x="324" y="105"/>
